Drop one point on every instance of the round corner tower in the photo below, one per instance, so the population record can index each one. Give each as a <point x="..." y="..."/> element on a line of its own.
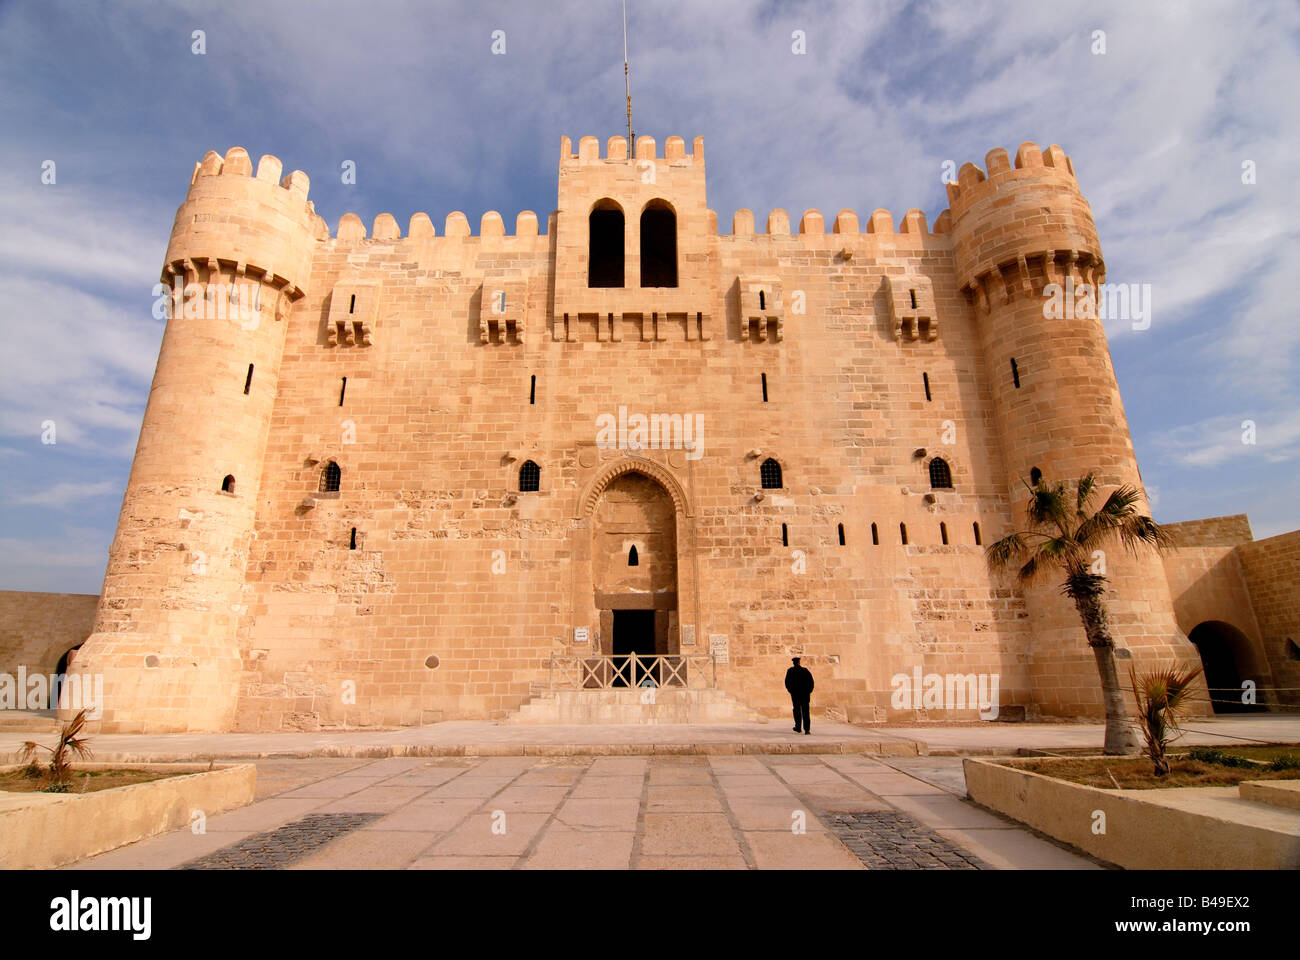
<point x="165" y="638"/>
<point x="1017" y="230"/>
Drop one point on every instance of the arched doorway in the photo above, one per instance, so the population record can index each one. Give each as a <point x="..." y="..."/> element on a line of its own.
<point x="634" y="572"/>
<point x="60" y="672"/>
<point x="1227" y="659"/>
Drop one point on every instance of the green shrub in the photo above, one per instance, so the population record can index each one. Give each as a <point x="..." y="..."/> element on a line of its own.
<point x="1213" y="755"/>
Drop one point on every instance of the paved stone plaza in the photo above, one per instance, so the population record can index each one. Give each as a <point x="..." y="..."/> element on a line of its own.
<point x="644" y="813"/>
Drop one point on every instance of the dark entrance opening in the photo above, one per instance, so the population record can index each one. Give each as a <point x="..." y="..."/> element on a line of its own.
<point x="61" y="670"/>
<point x="658" y="246"/>
<point x="1223" y="650"/>
<point x="605" y="246"/>
<point x="634" y="632"/>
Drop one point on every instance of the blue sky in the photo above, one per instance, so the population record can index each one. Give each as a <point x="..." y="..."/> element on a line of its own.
<point x="1158" y="128"/>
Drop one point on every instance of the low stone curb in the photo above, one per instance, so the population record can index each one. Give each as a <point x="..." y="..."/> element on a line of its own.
<point x="1144" y="829"/>
<point x="44" y="830"/>
<point x="901" y="748"/>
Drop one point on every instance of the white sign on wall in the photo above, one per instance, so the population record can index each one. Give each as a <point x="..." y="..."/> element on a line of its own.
<point x="688" y="635"/>
<point x="579" y="634"/>
<point x="718" y="647"/>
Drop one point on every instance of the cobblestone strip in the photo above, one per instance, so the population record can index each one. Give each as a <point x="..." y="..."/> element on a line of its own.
<point x="892" y="841"/>
<point x="282" y="846"/>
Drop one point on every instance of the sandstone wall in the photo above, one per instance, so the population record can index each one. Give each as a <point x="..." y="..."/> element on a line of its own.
<point x="435" y="423"/>
<point x="1272" y="572"/>
<point x="36" y="629"/>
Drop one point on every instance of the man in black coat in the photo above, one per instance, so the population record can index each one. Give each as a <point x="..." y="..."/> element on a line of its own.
<point x="799" y="683"/>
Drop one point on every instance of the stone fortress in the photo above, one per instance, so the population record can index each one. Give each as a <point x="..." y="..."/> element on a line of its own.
<point x="394" y="479"/>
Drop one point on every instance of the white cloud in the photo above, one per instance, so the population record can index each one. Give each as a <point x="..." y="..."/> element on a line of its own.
<point x="1228" y="438"/>
<point x="67" y="494"/>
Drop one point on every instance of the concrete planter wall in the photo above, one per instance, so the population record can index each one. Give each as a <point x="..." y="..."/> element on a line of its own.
<point x="43" y="830"/>
<point x="1158" y="831"/>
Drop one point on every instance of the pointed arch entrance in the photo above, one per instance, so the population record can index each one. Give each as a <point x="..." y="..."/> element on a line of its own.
<point x="636" y="603"/>
<point x="634" y="579"/>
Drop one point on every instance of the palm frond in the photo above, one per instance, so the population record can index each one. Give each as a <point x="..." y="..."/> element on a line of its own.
<point x="1047" y="506"/>
<point x="1086" y="490"/>
<point x="1004" y="552"/>
<point x="1030" y="571"/>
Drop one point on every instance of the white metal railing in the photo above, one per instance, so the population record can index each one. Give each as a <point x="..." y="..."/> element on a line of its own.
<point x="690" y="670"/>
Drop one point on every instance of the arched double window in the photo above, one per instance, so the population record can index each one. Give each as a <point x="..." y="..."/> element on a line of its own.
<point x="658" y="245"/>
<point x="770" y="474"/>
<point x="530" y="477"/>
<point x="605" y="245"/>
<point x="330" y="478"/>
<point x="940" y="474"/>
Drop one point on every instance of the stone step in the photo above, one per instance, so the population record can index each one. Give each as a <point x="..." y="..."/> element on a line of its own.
<point x="1275" y="793"/>
<point x="28" y="721"/>
<point x="634" y="706"/>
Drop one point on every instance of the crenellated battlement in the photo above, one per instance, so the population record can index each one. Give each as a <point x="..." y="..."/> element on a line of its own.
<point x="1017" y="227"/>
<point x="974" y="184"/>
<point x="237" y="163"/>
<point x="616" y="150"/>
<point x="261" y="223"/>
<point x="846" y="223"/>
<point x="385" y="227"/>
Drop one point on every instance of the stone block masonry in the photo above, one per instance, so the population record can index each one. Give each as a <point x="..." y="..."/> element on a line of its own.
<point x="386" y="500"/>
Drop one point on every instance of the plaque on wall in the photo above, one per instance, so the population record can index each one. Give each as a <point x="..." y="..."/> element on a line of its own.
<point x="718" y="647"/>
<point x="688" y="635"/>
<point x="579" y="634"/>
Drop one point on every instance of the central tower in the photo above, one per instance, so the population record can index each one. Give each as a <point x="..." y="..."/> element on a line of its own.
<point x="631" y="254"/>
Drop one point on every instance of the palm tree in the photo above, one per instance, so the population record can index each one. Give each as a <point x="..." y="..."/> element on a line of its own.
<point x="1062" y="537"/>
<point x="70" y="742"/>
<point x="1161" y="696"/>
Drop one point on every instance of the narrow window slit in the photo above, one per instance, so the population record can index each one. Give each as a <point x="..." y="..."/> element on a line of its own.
<point x="342" y="390"/>
<point x="248" y="380"/>
<point x="785" y="536"/>
<point x="841" y="534"/>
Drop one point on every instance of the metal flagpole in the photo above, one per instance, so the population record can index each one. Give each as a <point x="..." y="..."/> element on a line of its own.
<point x="627" y="86"/>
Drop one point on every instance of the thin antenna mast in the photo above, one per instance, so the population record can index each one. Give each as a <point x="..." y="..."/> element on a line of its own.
<point x="627" y="84"/>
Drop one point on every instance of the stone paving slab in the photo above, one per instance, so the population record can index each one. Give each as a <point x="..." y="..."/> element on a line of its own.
<point x="1012" y="848"/>
<point x="425" y="815"/>
<point x="564" y="848"/>
<point x="476" y="836"/>
<point x="688" y="835"/>
<point x="464" y="863"/>
<point x="783" y="850"/>
<point x="670" y="812"/>
<point x="161" y="853"/>
<point x="773" y="815"/>
<point x="370" y="850"/>
<point x="618" y="814"/>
